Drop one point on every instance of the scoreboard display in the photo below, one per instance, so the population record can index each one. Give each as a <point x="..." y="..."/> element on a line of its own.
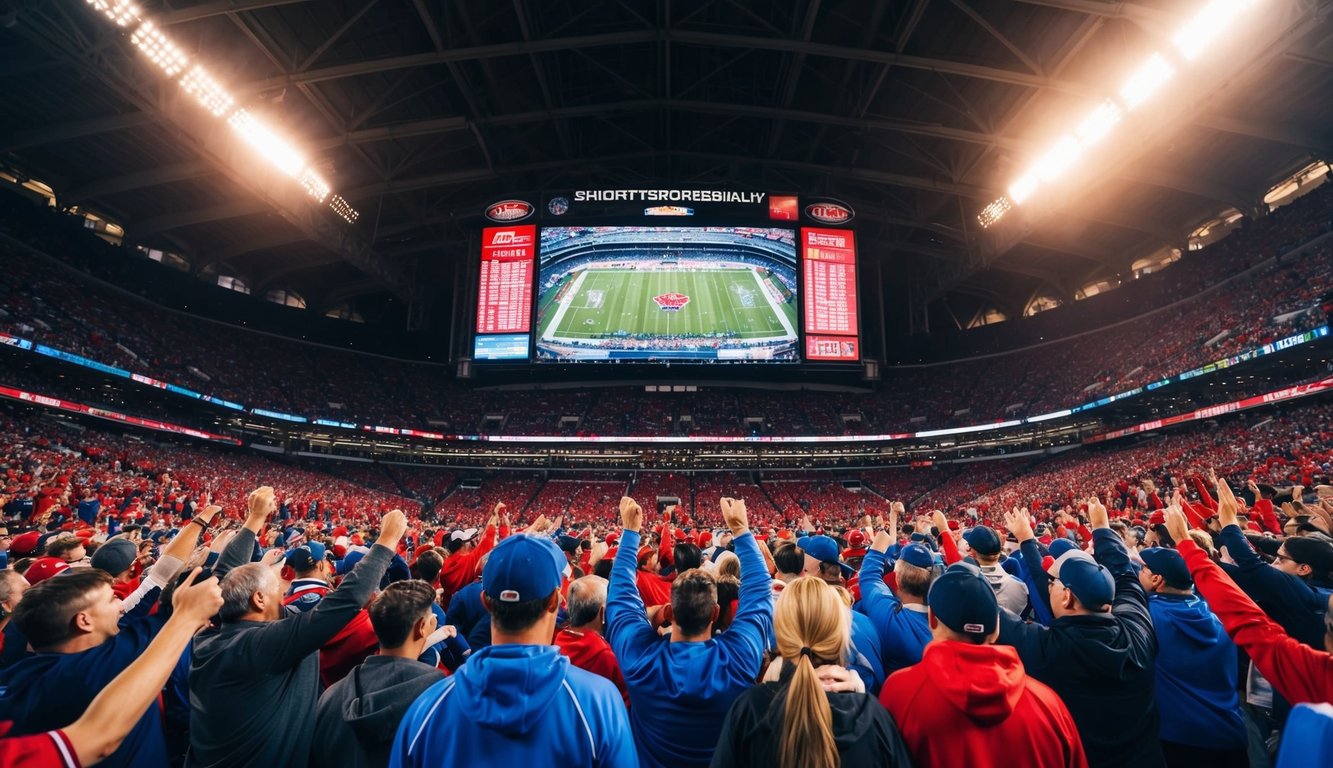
<point x="648" y="275"/>
<point x="504" y="292"/>
<point x="828" y="259"/>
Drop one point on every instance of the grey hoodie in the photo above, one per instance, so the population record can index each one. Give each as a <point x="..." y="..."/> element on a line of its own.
<point x="358" y="716"/>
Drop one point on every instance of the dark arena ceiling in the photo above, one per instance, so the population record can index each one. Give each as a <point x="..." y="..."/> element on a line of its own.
<point x="419" y="112"/>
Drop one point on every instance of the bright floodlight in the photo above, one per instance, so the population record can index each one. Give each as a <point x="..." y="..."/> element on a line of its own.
<point x="314" y="184"/>
<point x="206" y="91"/>
<point x="343" y="209"/>
<point x="1098" y="123"/>
<point x="1058" y="159"/>
<point x="992" y="213"/>
<point x="159" y="49"/>
<point x="1023" y="188"/>
<point x="264" y="141"/>
<point x="1207" y="25"/>
<point x="121" y="12"/>
<point x="1145" y="82"/>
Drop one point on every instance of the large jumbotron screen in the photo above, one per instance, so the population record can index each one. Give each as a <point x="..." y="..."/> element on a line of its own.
<point x="636" y="293"/>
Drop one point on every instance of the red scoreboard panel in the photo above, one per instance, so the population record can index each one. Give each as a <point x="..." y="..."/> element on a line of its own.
<point x="828" y="259"/>
<point x="504" y="300"/>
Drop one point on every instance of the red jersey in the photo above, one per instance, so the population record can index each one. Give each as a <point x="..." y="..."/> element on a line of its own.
<point x="40" y="750"/>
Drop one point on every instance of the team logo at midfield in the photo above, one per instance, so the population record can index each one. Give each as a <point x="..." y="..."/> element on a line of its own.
<point x="671" y="302"/>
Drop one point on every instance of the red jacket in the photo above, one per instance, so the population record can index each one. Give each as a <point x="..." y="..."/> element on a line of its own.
<point x="974" y="705"/>
<point x="654" y="589"/>
<point x="351" y="646"/>
<point x="1298" y="672"/>
<point x="462" y="568"/>
<point x="590" y="651"/>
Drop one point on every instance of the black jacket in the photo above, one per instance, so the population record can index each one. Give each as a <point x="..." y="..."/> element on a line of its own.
<point x="358" y="716"/>
<point x="752" y="732"/>
<point x="1101" y="665"/>
<point x="254" y="684"/>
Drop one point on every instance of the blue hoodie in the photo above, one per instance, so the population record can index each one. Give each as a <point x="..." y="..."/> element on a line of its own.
<point x="1196" y="675"/>
<point x="903" y="632"/>
<point x="680" y="692"/>
<point x="519" y="705"/>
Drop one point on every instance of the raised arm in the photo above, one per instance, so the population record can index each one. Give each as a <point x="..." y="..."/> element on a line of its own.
<point x="1298" y="672"/>
<point x="627" y="626"/>
<point x="121" y="704"/>
<point x="280" y="644"/>
<point x="754" y="612"/>
<point x="262" y="502"/>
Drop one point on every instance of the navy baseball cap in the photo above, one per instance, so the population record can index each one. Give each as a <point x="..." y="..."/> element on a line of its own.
<point x="522" y="568"/>
<point x="964" y="601"/>
<point x="918" y="555"/>
<point x="306" y="556"/>
<point x="1090" y="582"/>
<point x="1060" y="546"/>
<point x="569" y="543"/>
<point x="1168" y="564"/>
<point x="825" y="550"/>
<point x="983" y="540"/>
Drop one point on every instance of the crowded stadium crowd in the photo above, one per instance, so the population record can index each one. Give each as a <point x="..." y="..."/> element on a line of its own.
<point x="1264" y="282"/>
<point x="1161" y="602"/>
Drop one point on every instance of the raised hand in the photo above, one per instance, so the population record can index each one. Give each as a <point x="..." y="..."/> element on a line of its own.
<point x="1097" y="517"/>
<point x="883" y="540"/>
<point x="262" y="503"/>
<point x="392" y="528"/>
<point x="631" y="514"/>
<point x="1227" y="507"/>
<point x="272" y="557"/>
<point x="1019" y="524"/>
<point x="1176" y="524"/>
<point x="734" y="515"/>
<point x="197" y="603"/>
<point x="893" y="520"/>
<point x="941" y="522"/>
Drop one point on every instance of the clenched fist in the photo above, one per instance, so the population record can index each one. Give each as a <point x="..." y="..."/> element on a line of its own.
<point x="392" y="528"/>
<point x="733" y="514"/>
<point x="631" y="514"/>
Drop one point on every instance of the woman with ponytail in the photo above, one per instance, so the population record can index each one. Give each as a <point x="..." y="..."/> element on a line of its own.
<point x="809" y="712"/>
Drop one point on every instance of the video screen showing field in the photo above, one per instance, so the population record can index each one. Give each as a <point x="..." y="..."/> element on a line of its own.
<point x="702" y="294"/>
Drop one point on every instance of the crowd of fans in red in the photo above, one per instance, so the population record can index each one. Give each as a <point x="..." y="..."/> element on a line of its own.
<point x="1184" y="319"/>
<point x="88" y="510"/>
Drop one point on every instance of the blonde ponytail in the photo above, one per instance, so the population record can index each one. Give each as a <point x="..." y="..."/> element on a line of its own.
<point x="811" y="626"/>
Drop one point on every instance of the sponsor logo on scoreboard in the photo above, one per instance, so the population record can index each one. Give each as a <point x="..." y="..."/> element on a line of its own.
<point x="671" y="302"/>
<point x="558" y="206"/>
<point x="510" y="237"/>
<point x="509" y="210"/>
<point x="830" y="212"/>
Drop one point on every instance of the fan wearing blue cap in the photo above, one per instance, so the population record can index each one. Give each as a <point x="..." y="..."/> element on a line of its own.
<point x="900" y="617"/>
<point x="520" y="697"/>
<point x="976" y="692"/>
<point x="1100" y="647"/>
<point x="1196" y="667"/>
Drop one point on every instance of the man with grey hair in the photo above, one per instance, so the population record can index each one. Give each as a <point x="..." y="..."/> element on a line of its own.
<point x="582" y="639"/>
<point x="254" y="680"/>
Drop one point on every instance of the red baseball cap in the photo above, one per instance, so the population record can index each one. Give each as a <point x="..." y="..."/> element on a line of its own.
<point x="44" y="568"/>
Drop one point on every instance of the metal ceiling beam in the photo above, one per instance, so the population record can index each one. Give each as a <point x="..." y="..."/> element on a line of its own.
<point x="1141" y="14"/>
<point x="862" y="174"/>
<point x="251" y="245"/>
<point x="1116" y="218"/>
<point x="233" y="209"/>
<point x="54" y="134"/>
<point x="151" y="177"/>
<point x="217" y="8"/>
<point x="674" y="37"/>
<point x="1278" y="133"/>
<point x="1208" y="189"/>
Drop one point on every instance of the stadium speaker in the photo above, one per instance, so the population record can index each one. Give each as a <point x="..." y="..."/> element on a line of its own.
<point x="464" y="367"/>
<point x="870" y="370"/>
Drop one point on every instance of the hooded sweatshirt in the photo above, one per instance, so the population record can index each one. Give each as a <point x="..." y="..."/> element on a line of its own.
<point x="1196" y="675"/>
<point x="1101" y="665"/>
<point x="358" y="716"/>
<point x="521" y="705"/>
<point x="974" y="705"/>
<point x="752" y="733"/>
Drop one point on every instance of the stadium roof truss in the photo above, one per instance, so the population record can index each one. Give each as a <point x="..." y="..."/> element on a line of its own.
<point x="918" y="113"/>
